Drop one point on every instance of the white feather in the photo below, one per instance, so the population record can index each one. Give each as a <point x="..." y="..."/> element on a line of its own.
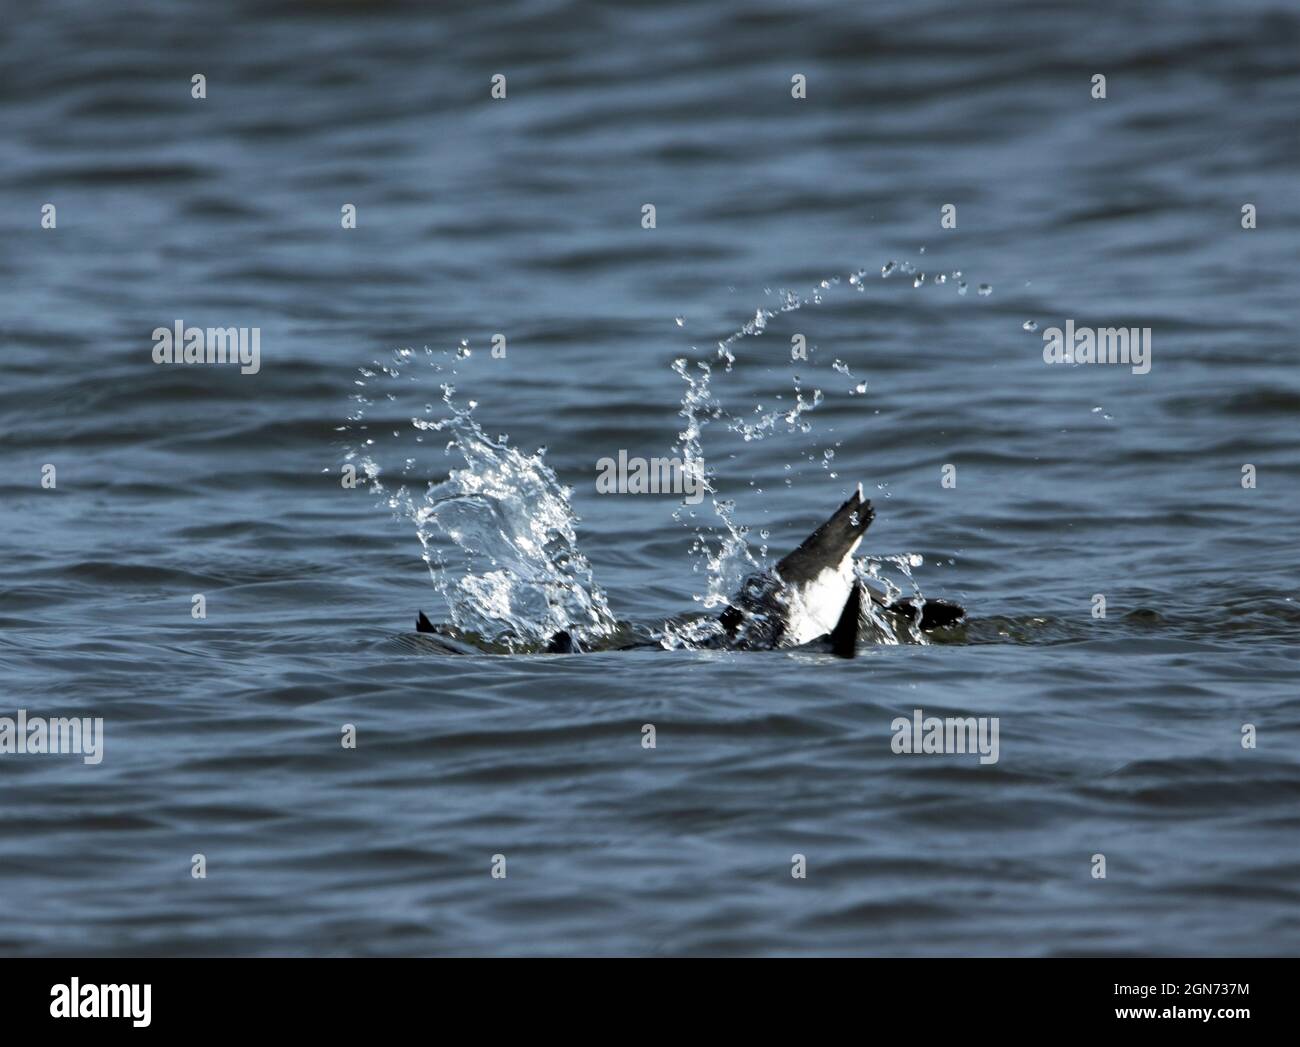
<point x="816" y="606"/>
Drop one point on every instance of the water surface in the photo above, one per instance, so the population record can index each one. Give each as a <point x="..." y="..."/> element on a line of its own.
<point x="1119" y="736"/>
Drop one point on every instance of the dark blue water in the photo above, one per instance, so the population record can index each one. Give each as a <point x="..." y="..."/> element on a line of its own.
<point x="1119" y="736"/>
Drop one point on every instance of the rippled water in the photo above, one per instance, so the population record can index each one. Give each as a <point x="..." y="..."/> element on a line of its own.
<point x="1119" y="736"/>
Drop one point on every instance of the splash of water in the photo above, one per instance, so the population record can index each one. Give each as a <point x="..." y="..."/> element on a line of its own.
<point x="871" y="571"/>
<point x="721" y="551"/>
<point x="497" y="534"/>
<point x="725" y="558"/>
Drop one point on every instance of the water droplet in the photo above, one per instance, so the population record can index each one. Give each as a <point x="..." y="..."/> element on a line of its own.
<point x="985" y="290"/>
<point x="888" y="268"/>
<point x="1030" y="325"/>
<point x="680" y="321"/>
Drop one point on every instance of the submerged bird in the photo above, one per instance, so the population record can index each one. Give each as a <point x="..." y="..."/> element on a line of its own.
<point x="812" y="596"/>
<point x="808" y="594"/>
<point x="814" y="593"/>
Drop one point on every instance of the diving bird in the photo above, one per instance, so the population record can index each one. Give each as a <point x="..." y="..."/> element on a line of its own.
<point x="814" y="593"/>
<point x="812" y="596"/>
